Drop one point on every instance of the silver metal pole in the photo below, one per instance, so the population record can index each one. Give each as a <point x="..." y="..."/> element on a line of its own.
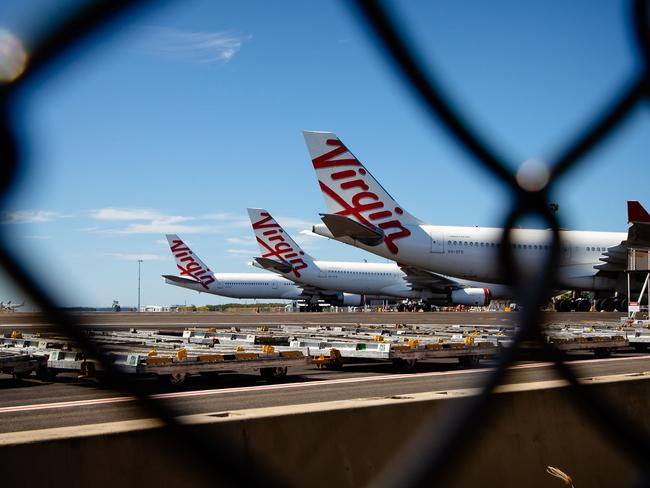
<point x="629" y="295"/>
<point x="139" y="263"/>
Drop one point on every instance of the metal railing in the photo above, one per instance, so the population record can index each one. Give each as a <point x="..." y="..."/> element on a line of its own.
<point x="426" y="454"/>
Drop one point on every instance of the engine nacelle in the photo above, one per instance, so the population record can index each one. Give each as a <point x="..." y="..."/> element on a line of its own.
<point x="348" y="300"/>
<point x="471" y="296"/>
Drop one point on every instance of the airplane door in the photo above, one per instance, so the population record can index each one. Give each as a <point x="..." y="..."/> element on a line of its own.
<point x="437" y="241"/>
<point x="219" y="284"/>
<point x="274" y="285"/>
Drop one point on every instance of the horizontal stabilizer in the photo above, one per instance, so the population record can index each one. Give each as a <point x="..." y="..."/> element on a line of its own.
<point x="273" y="265"/>
<point x="342" y="226"/>
<point x="181" y="281"/>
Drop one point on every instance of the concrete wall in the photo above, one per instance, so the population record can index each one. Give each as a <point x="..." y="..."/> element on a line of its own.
<point x="346" y="443"/>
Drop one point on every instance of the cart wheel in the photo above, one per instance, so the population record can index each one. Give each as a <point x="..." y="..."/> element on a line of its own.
<point x="335" y="366"/>
<point x="44" y="373"/>
<point x="177" y="379"/>
<point x="22" y="375"/>
<point x="603" y="352"/>
<point x="271" y="374"/>
<point x="469" y="361"/>
<point x="405" y="364"/>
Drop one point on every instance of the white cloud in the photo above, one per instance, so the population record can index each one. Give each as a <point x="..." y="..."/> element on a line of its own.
<point x="27" y="217"/>
<point x="245" y="241"/>
<point x="119" y="214"/>
<point x="198" y="47"/>
<point x="241" y="252"/>
<point x="135" y="257"/>
<point x="308" y="234"/>
<point x="162" y="227"/>
<point x="293" y="223"/>
<point x="159" y="223"/>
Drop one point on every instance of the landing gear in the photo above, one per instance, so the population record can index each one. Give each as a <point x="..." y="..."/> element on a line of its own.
<point x="608" y="304"/>
<point x="582" y="305"/>
<point x="620" y="304"/>
<point x="564" y="305"/>
<point x="604" y="304"/>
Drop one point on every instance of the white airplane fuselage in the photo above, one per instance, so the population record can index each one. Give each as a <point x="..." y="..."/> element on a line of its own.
<point x="245" y="285"/>
<point x="375" y="279"/>
<point x="472" y="253"/>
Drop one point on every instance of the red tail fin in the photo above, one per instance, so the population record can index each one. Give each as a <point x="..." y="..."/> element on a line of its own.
<point x="636" y="212"/>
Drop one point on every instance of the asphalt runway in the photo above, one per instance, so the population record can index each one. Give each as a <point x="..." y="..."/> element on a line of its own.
<point x="32" y="404"/>
<point x="9" y="321"/>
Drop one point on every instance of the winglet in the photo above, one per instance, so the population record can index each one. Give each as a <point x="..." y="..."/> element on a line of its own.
<point x="636" y="213"/>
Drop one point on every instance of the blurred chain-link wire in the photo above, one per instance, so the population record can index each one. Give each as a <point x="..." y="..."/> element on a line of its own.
<point x="427" y="457"/>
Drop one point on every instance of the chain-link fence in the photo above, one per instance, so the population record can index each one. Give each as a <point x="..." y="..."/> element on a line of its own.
<point x="426" y="455"/>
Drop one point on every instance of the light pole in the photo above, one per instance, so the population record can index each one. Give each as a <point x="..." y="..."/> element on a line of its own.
<point x="139" y="263"/>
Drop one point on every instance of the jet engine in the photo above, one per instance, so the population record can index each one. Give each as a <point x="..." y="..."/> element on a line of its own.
<point x="348" y="300"/>
<point x="471" y="296"/>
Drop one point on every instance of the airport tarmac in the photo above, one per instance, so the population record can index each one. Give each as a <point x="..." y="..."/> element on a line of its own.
<point x="185" y="319"/>
<point x="33" y="404"/>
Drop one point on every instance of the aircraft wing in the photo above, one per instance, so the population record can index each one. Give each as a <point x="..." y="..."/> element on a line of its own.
<point x="419" y="278"/>
<point x="614" y="260"/>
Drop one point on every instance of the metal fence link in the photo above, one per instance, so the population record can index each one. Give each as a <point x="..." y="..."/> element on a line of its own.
<point x="213" y="459"/>
<point x="427" y="457"/>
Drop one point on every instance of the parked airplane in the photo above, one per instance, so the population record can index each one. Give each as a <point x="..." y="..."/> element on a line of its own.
<point x="9" y="307"/>
<point x="195" y="275"/>
<point x="363" y="214"/>
<point x="281" y="254"/>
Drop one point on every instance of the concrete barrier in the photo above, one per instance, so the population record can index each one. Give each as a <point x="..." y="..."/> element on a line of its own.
<point x="347" y="443"/>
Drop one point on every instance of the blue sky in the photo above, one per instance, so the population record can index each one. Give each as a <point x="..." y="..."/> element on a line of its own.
<point x="181" y="118"/>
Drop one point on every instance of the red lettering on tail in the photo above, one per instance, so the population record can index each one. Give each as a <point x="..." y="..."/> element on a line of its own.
<point x="282" y="250"/>
<point x="363" y="202"/>
<point x="193" y="269"/>
<point x="325" y="161"/>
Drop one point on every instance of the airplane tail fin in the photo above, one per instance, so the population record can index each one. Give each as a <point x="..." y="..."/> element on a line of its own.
<point x="189" y="264"/>
<point x="276" y="244"/>
<point x="351" y="191"/>
<point x="636" y="213"/>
